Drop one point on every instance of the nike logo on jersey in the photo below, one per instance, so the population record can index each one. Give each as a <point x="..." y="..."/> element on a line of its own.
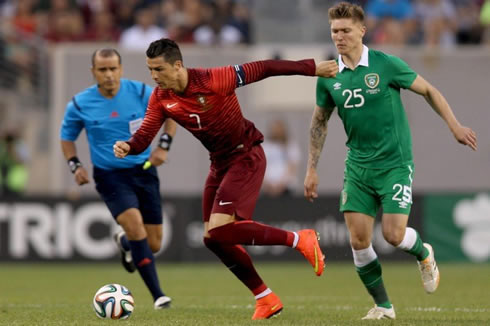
<point x="169" y="106"/>
<point x="222" y="203"/>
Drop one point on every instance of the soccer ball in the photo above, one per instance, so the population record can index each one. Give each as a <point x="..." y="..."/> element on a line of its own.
<point x="113" y="301"/>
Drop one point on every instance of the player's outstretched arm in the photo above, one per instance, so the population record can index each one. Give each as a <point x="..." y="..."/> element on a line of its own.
<point x="121" y="149"/>
<point x="327" y="69"/>
<point x="318" y="133"/>
<point x="464" y="135"/>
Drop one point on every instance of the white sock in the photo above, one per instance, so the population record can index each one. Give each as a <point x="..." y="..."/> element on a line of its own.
<point x="408" y="240"/>
<point x="296" y="239"/>
<point x="364" y="256"/>
<point x="263" y="294"/>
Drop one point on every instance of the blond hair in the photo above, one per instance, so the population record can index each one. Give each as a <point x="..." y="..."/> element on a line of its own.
<point x="346" y="10"/>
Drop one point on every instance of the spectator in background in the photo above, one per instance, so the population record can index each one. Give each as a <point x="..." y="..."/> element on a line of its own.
<point x="126" y="9"/>
<point x="145" y="31"/>
<point x="485" y="20"/>
<point x="18" y="26"/>
<point x="24" y="17"/>
<point x="65" y="26"/>
<point x="283" y="157"/>
<point x="90" y="8"/>
<point x="240" y="18"/>
<point x="13" y="158"/>
<point x="56" y="5"/>
<point x="215" y="29"/>
<point x="125" y="13"/>
<point x="469" y="30"/>
<point x="389" y="21"/>
<point x="102" y="28"/>
<point x="437" y="18"/>
<point x="181" y="18"/>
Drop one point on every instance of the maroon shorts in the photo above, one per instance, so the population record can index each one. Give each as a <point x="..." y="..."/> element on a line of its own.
<point x="235" y="189"/>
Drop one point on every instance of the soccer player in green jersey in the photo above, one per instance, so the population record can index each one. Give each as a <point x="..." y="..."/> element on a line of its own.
<point x="379" y="164"/>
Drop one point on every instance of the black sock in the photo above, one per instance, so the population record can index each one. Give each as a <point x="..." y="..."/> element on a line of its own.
<point x="144" y="261"/>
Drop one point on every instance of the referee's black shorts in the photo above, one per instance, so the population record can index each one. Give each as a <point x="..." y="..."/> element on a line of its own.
<point x="122" y="189"/>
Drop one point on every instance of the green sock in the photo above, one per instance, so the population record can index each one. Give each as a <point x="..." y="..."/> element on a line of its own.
<point x="418" y="250"/>
<point x="371" y="277"/>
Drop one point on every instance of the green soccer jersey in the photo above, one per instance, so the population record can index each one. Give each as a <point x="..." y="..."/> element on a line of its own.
<point x="369" y="104"/>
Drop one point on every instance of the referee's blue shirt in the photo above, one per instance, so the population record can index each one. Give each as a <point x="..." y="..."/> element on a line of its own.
<point x="107" y="121"/>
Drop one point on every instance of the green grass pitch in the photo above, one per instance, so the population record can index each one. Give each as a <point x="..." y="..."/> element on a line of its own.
<point x="208" y="294"/>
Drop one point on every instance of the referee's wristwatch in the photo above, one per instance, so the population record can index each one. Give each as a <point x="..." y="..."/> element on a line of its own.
<point x="74" y="163"/>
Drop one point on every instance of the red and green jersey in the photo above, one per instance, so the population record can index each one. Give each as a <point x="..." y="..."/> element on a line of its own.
<point x="369" y="104"/>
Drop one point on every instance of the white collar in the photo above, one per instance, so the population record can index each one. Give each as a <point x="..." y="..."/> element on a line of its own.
<point x="363" y="62"/>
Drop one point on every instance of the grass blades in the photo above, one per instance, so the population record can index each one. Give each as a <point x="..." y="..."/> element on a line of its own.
<point x="208" y="294"/>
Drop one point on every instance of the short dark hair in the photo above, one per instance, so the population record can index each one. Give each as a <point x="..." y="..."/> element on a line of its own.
<point x="346" y="10"/>
<point x="166" y="48"/>
<point x="105" y="53"/>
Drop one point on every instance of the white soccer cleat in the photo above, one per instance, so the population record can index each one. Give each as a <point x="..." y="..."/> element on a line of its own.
<point x="377" y="313"/>
<point x="430" y="272"/>
<point x="162" y="303"/>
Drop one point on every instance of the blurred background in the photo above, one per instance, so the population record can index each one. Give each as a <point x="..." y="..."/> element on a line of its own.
<point x="45" y="51"/>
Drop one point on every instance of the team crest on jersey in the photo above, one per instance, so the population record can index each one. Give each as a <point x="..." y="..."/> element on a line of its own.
<point x="201" y="99"/>
<point x="372" y="80"/>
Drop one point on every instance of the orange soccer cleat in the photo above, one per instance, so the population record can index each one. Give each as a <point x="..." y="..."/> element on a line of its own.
<point x="310" y="248"/>
<point x="267" y="307"/>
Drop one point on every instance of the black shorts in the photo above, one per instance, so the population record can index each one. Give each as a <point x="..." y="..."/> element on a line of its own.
<point x="122" y="189"/>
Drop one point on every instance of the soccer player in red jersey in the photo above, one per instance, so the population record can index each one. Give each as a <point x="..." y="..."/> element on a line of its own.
<point x="204" y="102"/>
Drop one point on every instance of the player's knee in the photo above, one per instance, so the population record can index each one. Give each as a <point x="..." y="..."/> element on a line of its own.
<point x="358" y="243"/>
<point x="394" y="237"/>
<point x="134" y="232"/>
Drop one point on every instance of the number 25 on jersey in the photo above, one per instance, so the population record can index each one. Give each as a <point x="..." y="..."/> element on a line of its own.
<point x="354" y="98"/>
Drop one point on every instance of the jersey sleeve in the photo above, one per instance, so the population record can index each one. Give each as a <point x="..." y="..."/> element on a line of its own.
<point x="154" y="118"/>
<point x="72" y="123"/>
<point x="403" y="75"/>
<point x="323" y="97"/>
<point x="224" y="80"/>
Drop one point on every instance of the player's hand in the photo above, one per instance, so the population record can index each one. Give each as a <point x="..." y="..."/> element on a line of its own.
<point x="327" y="69"/>
<point x="311" y="185"/>
<point x="121" y="149"/>
<point x="466" y="136"/>
<point x="158" y="156"/>
<point x="81" y="176"/>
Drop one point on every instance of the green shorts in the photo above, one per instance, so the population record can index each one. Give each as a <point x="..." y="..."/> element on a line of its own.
<point x="365" y="190"/>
